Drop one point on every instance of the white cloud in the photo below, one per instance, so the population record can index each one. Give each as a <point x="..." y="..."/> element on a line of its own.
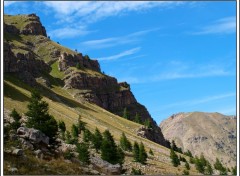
<point x="8" y="3"/>
<point x="120" y="55"/>
<point x="222" y="26"/>
<point x="199" y="101"/>
<point x="114" y="41"/>
<point x="91" y="11"/>
<point x="69" y="32"/>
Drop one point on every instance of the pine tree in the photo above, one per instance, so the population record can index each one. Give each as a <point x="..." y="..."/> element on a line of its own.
<point x="137" y="118"/>
<point x="199" y="165"/>
<point x="234" y="170"/>
<point x="120" y="155"/>
<point x="83" y="152"/>
<point x="62" y="126"/>
<point x="136" y="151"/>
<point x="125" y="113"/>
<point x="151" y="152"/>
<point x="187" y="165"/>
<point x="125" y="143"/>
<point x="87" y="135"/>
<point x="208" y="169"/>
<point x="74" y="131"/>
<point x="81" y="125"/>
<point x="148" y="123"/>
<point x="38" y="116"/>
<point x="218" y="166"/>
<point x="109" y="148"/>
<point x="136" y="172"/>
<point x="174" y="157"/>
<point x="97" y="139"/>
<point x="188" y="153"/>
<point x="16" y="116"/>
<point x="142" y="154"/>
<point x="203" y="160"/>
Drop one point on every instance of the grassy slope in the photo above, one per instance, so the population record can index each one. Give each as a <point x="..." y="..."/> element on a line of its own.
<point x="64" y="107"/>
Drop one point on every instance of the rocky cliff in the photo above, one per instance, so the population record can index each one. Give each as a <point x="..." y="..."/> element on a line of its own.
<point x="30" y="54"/>
<point x="212" y="134"/>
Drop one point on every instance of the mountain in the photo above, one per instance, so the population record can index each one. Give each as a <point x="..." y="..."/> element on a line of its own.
<point x="212" y="134"/>
<point x="72" y="85"/>
<point x="35" y="59"/>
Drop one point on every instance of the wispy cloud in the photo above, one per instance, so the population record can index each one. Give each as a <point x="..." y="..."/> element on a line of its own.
<point x="69" y="32"/>
<point x="8" y="3"/>
<point x="199" y="101"/>
<point x="92" y="11"/>
<point x="115" y="41"/>
<point x="222" y="26"/>
<point x="120" y="55"/>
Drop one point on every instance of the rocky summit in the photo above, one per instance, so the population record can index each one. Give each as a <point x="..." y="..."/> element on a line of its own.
<point x="35" y="58"/>
<point x="212" y="134"/>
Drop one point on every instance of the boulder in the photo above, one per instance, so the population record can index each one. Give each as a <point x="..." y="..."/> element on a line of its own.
<point x="33" y="135"/>
<point x="17" y="152"/>
<point x="67" y="148"/>
<point x="105" y="167"/>
<point x="26" y="144"/>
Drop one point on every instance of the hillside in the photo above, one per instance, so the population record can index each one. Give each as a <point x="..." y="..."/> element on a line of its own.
<point x="72" y="85"/>
<point x="212" y="134"/>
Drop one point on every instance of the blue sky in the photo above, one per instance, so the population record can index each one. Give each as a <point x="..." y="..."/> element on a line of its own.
<point x="177" y="56"/>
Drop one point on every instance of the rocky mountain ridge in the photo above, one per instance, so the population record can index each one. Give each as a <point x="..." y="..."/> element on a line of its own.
<point x="212" y="134"/>
<point x="30" y="54"/>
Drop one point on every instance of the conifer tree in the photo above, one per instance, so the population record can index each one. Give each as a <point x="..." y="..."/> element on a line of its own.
<point x="136" y="151"/>
<point x="125" y="143"/>
<point x="208" y="169"/>
<point x="137" y="118"/>
<point x="125" y="113"/>
<point x="62" y="126"/>
<point x="38" y="116"/>
<point x="87" y="135"/>
<point x="81" y="125"/>
<point x="218" y="166"/>
<point x="151" y="152"/>
<point x="234" y="170"/>
<point x="142" y="154"/>
<point x="120" y="155"/>
<point x="109" y="148"/>
<point x="187" y="165"/>
<point x="174" y="157"/>
<point x="74" y="131"/>
<point x="83" y="152"/>
<point x="16" y="116"/>
<point x="199" y="165"/>
<point x="148" y="123"/>
<point x="97" y="139"/>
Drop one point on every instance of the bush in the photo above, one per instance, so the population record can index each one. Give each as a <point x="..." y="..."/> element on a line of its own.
<point x="68" y="155"/>
<point x="151" y="152"/>
<point x="38" y="116"/>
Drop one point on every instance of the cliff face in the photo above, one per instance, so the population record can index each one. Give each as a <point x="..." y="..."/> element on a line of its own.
<point x="29" y="53"/>
<point x="212" y="134"/>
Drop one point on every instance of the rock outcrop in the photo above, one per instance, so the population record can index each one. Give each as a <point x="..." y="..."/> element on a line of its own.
<point x="212" y="134"/>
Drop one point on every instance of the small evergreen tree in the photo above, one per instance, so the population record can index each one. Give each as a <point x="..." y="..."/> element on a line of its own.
<point x="187" y="165"/>
<point x="62" y="126"/>
<point x="208" y="169"/>
<point x="218" y="166"/>
<point x="137" y="118"/>
<point x="125" y="143"/>
<point x="142" y="154"/>
<point x="78" y="66"/>
<point x="136" y="151"/>
<point x="87" y="135"/>
<point x="109" y="148"/>
<point x="83" y="152"/>
<point x="125" y="113"/>
<point x="181" y="158"/>
<point x="148" y="123"/>
<point x="120" y="155"/>
<point x="188" y="153"/>
<point x="81" y="125"/>
<point x="151" y="152"/>
<point x="192" y="160"/>
<point x="174" y="158"/>
<point x="234" y="170"/>
<point x="38" y="116"/>
<point x="97" y="139"/>
<point x="16" y="116"/>
<point x="199" y="165"/>
<point x="74" y="131"/>
<point x="203" y="160"/>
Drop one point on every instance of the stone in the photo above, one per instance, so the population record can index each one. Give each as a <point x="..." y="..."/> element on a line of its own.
<point x="26" y="144"/>
<point x="17" y="152"/>
<point x="13" y="169"/>
<point x="38" y="153"/>
<point x="67" y="148"/>
<point x="33" y="135"/>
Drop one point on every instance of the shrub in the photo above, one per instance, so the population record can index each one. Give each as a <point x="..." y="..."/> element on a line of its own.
<point x="185" y="172"/>
<point x="16" y="116"/>
<point x="151" y="152"/>
<point x="136" y="172"/>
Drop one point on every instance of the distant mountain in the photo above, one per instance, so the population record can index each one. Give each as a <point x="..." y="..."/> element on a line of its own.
<point x="212" y="134"/>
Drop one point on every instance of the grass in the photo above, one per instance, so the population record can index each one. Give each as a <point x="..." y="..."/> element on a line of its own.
<point x="55" y="72"/>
